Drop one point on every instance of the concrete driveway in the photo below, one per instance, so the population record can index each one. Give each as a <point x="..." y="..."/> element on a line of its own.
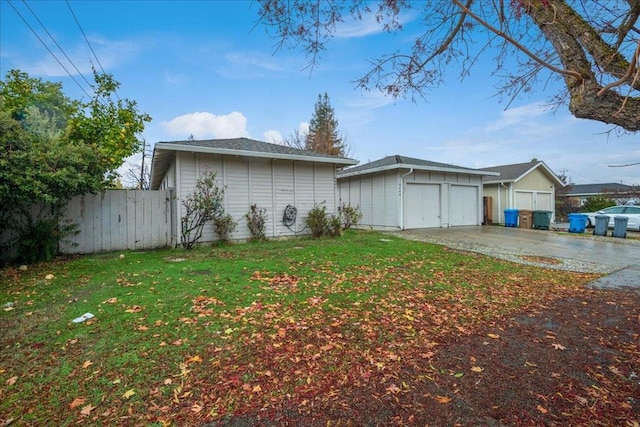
<point x="619" y="258"/>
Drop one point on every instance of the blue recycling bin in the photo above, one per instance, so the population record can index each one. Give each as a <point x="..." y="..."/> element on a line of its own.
<point x="511" y="217"/>
<point x="577" y="223"/>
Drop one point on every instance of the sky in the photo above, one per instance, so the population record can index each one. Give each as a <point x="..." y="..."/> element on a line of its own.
<point x="209" y="69"/>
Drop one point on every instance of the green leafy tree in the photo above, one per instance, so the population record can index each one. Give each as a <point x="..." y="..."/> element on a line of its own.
<point x="590" y="47"/>
<point x="54" y="148"/>
<point x="323" y="136"/>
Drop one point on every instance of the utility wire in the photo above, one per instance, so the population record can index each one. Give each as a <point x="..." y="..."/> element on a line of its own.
<point x="47" y="47"/>
<point x="88" y="43"/>
<point x="56" y="43"/>
<point x="85" y="36"/>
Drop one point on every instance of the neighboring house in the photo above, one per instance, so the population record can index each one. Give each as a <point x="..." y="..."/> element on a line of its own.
<point x="250" y="172"/>
<point x="399" y="192"/>
<point x="523" y="186"/>
<point x="621" y="193"/>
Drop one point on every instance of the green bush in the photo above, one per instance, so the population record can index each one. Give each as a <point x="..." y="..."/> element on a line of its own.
<point x="596" y="203"/>
<point x="224" y="226"/>
<point x="334" y="226"/>
<point x="349" y="215"/>
<point x="256" y="221"/>
<point x="317" y="220"/>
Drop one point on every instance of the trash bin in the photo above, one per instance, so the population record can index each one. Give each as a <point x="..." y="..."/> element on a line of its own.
<point x="511" y="217"/>
<point x="577" y="223"/>
<point x="525" y="218"/>
<point x="602" y="225"/>
<point x="620" y="226"/>
<point x="541" y="220"/>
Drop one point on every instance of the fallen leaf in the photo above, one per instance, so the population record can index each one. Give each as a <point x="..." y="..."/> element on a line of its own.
<point x="558" y="346"/>
<point x="197" y="359"/>
<point x="86" y="410"/>
<point x="110" y="301"/>
<point x="494" y="336"/>
<point x="168" y="381"/>
<point x="86" y="364"/>
<point x="477" y="369"/>
<point x="142" y="328"/>
<point x="134" y="309"/>
<point x="49" y="277"/>
<point x="78" y="401"/>
<point x="257" y="389"/>
<point x="443" y="399"/>
<point x="128" y="394"/>
<point x="12" y="380"/>
<point x="196" y="408"/>
<point x="542" y="409"/>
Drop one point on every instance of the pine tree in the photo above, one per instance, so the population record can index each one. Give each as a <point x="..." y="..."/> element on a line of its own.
<point x="323" y="136"/>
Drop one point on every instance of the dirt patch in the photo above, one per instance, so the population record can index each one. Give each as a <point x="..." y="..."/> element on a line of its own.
<point x="573" y="361"/>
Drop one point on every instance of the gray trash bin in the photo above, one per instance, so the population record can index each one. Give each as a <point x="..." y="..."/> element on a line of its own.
<point x="620" y="226"/>
<point x="601" y="226"/>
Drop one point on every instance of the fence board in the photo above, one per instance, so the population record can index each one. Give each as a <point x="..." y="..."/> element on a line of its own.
<point x="120" y="220"/>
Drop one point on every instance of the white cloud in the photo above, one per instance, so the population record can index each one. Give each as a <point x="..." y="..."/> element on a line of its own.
<point x="368" y="25"/>
<point x="273" y="136"/>
<point x="255" y="59"/>
<point x="517" y="117"/>
<point x="208" y="125"/>
<point x="303" y="128"/>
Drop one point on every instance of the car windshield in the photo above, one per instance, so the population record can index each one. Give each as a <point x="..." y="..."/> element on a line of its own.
<point x="613" y="210"/>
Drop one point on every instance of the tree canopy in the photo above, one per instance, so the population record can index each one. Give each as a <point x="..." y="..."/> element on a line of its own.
<point x="592" y="46"/>
<point x="53" y="148"/>
<point x="323" y="135"/>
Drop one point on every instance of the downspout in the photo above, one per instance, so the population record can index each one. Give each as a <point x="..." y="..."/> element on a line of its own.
<point x="500" y="213"/>
<point x="402" y="198"/>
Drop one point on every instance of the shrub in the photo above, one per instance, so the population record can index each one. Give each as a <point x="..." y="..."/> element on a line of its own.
<point x="596" y="203"/>
<point x="224" y="225"/>
<point x="256" y="221"/>
<point x="202" y="205"/>
<point x="349" y="215"/>
<point x="317" y="220"/>
<point x="334" y="226"/>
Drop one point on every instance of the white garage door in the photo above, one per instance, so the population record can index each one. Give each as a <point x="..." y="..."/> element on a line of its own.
<point x="543" y="201"/>
<point x="464" y="205"/>
<point x="421" y="206"/>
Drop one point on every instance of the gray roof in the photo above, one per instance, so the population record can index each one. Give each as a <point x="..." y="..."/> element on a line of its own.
<point x="164" y="152"/>
<point x="514" y="172"/>
<point x="593" y="189"/>
<point x="397" y="161"/>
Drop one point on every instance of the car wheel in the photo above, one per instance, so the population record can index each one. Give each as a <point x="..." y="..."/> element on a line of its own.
<point x="588" y="224"/>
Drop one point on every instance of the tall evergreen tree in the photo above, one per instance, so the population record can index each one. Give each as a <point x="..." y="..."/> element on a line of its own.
<point x="323" y="136"/>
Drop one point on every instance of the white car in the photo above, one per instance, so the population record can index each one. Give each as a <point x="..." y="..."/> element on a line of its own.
<point x="631" y="212"/>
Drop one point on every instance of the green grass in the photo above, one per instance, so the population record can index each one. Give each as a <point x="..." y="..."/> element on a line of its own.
<point x="214" y="327"/>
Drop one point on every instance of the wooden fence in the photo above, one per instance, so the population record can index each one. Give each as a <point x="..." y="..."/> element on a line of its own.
<point x="117" y="220"/>
<point x="121" y="220"/>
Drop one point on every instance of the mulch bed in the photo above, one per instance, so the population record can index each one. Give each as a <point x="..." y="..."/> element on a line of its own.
<point x="570" y="361"/>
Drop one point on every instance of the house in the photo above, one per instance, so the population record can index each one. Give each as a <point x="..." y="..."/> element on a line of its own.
<point x="399" y="192"/>
<point x="621" y="193"/>
<point x="270" y="176"/>
<point x="521" y="186"/>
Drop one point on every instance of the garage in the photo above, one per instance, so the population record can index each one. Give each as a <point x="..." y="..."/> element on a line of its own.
<point x="398" y="192"/>
<point x="533" y="200"/>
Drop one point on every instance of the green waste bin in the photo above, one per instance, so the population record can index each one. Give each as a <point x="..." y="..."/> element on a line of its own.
<point x="541" y="220"/>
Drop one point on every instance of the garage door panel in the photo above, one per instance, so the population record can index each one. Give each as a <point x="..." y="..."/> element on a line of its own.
<point x="464" y="205"/>
<point x="422" y="206"/>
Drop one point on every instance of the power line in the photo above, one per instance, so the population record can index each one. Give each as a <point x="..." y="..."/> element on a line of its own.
<point x="56" y="43"/>
<point x="47" y="47"/>
<point x="87" y="40"/>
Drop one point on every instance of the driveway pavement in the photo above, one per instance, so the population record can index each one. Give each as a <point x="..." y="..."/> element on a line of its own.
<point x="619" y="258"/>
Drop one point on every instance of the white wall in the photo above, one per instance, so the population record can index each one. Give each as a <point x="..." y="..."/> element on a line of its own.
<point x="271" y="184"/>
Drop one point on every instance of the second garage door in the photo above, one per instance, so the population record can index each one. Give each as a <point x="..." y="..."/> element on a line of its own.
<point x="464" y="205"/>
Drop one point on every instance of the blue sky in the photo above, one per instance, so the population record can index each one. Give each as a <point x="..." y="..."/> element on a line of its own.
<point x="204" y="68"/>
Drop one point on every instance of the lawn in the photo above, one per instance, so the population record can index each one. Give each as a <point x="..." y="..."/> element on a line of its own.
<point x="255" y="329"/>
